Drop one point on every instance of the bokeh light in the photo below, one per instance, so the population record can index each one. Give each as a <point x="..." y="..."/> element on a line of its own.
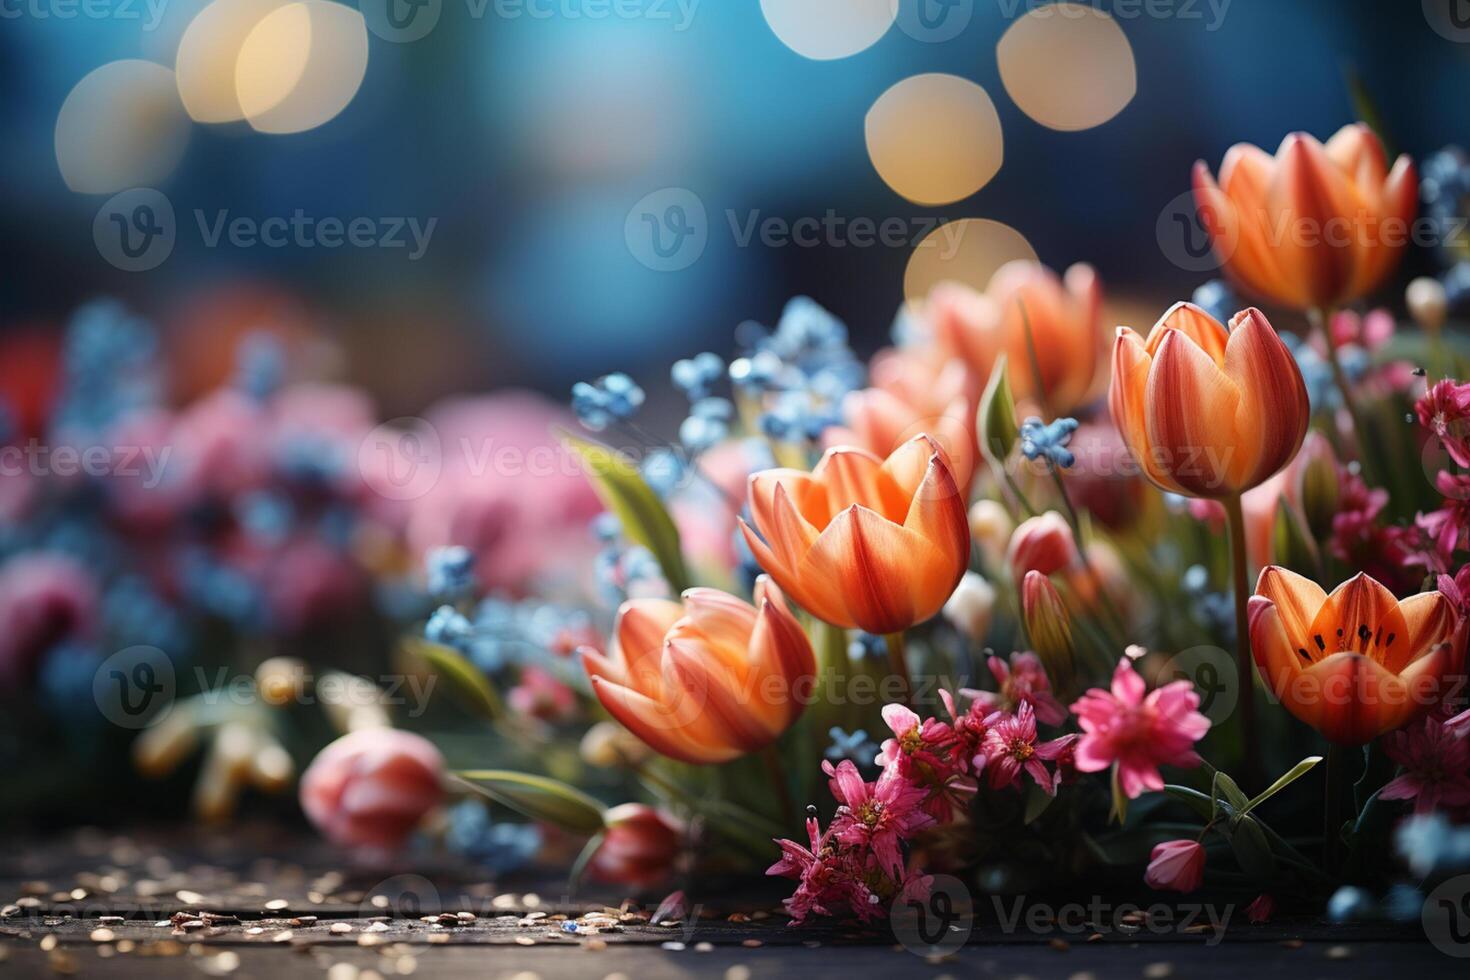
<point x="301" y="65"/>
<point x="208" y="54"/>
<point x="935" y="139"/>
<point x="966" y="251"/>
<point x="121" y="126"/>
<point x="827" y="29"/>
<point x="1068" y="66"/>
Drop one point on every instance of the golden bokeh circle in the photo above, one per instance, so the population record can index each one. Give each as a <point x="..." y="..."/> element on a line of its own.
<point x="1068" y="66"/>
<point x="121" y="126"/>
<point x="967" y="251"/>
<point x="935" y="139"/>
<point x="301" y="65"/>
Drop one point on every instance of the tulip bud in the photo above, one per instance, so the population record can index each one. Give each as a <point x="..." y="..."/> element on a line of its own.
<point x="639" y="848"/>
<point x="991" y="527"/>
<point x="1317" y="486"/>
<point x="996" y="420"/>
<point x="608" y="745"/>
<point x="1043" y="544"/>
<point x="969" y="609"/>
<point x="1427" y="303"/>
<point x="1048" y="626"/>
<point x="1176" y="865"/>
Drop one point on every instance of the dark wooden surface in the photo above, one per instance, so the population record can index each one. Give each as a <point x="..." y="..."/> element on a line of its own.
<point x="284" y="907"/>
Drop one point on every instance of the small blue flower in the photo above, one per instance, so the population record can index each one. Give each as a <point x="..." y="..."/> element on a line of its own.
<point x="1403" y="903"/>
<point x="1048" y="440"/>
<point x="1322" y="392"/>
<point x="260" y="365"/>
<point x="265" y="516"/>
<point x="697" y="375"/>
<point x="1429" y="845"/>
<point x="1350" y="904"/>
<point x="606" y="527"/>
<point x="451" y="572"/>
<point x="613" y="398"/>
<point x="448" y="627"/>
<point x="758" y="372"/>
<point x="498" y="847"/>
<point x="856" y="747"/>
<point x="865" y="646"/>
<point x="665" y="470"/>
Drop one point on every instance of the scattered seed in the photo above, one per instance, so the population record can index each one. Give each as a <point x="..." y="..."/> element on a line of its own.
<point x="284" y="936"/>
<point x="1339" y="952"/>
<point x="673" y="947"/>
<point x="188" y="897"/>
<point x="48" y="943"/>
<point x="704" y="947"/>
<point x="342" y="971"/>
<point x="521" y="941"/>
<point x="1292" y="943"/>
<point x="1060" y="945"/>
<point x="752" y="943"/>
<point x="1158" y="971"/>
<point x="277" y="904"/>
<point x="111" y="920"/>
<point x="220" y="964"/>
<point x="102" y="935"/>
<point x="340" y="928"/>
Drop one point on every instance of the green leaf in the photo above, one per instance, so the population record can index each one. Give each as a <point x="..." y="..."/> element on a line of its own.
<point x="1251" y="848"/>
<point x="1226" y="791"/>
<point x="1037" y="800"/>
<point x="474" y="687"/>
<point x="996" y="419"/>
<point x="622" y="490"/>
<point x="1193" y="798"/>
<point x="1296" y="772"/>
<point x="1120" y="799"/>
<point x="584" y="859"/>
<point x="1293" y="545"/>
<point x="539" y="798"/>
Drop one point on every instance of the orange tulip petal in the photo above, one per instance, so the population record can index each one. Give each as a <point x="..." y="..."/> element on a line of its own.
<point x="937" y="514"/>
<point x="640" y="630"/>
<point x="656" y="725"/>
<point x="1297" y="599"/>
<point x="1272" y="415"/>
<point x="1207" y="333"/>
<point x="1276" y="654"/>
<point x="809" y="497"/>
<point x="871" y="562"/>
<point x="719" y="616"/>
<point x="1350" y="699"/>
<point x="1191" y="417"/>
<point x="1360" y="615"/>
<point x="1431" y="620"/>
<point x="1309" y="201"/>
<point x="856" y="476"/>
<point x="715" y="709"/>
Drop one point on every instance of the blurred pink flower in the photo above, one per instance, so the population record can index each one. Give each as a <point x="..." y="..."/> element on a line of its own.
<point x="1138" y="732"/>
<point x="877" y="815"/>
<point x="1022" y="681"/>
<point x="1436" y="763"/>
<point x="1010" y="747"/>
<point x="508" y="492"/>
<point x="639" y="848"/>
<point x="221" y="445"/>
<point x="45" y="598"/>
<point x="1261" y="909"/>
<point x="1176" y="865"/>
<point x="541" y="695"/>
<point x="1445" y="411"/>
<point x="1369" y="330"/>
<point x="370" y="788"/>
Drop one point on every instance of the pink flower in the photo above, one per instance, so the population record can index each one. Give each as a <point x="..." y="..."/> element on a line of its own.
<point x="541" y="695"/>
<point x="1043" y="544"/>
<point x="45" y="598"/>
<point x="1445" y="411"/>
<point x="1138" y="732"/>
<point x="928" y="741"/>
<point x="1261" y="909"/>
<point x="1457" y="589"/>
<point x="1176" y="865"/>
<point x="1010" y="747"/>
<point x="1023" y="681"/>
<point x="370" y="788"/>
<point x="1436" y="764"/>
<point x="1370" y="331"/>
<point x="878" y="815"/>
<point x="816" y="870"/>
<point x="639" y="848"/>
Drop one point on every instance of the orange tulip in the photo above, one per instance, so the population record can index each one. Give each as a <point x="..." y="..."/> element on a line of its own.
<point x="1356" y="663"/>
<point x="707" y="680"/>
<point x="1066" y="328"/>
<point x="1208" y="412"/>
<point x="862" y="542"/>
<point x="1314" y="227"/>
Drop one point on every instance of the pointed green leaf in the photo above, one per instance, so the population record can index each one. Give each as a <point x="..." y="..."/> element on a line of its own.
<point x="1292" y="543"/>
<point x="625" y="493"/>
<point x="1226" y="791"/>
<point x="1192" y="798"/>
<point x="539" y="798"/>
<point x="474" y="688"/>
<point x="1120" y="799"/>
<point x="1297" y="772"/>
<point x="1251" y="848"/>
<point x="996" y="419"/>
<point x="1037" y="801"/>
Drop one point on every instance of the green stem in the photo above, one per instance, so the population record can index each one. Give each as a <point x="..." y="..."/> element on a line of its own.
<point x="1010" y="482"/>
<point x="1332" y="810"/>
<point x="1250" y="737"/>
<point x="899" y="665"/>
<point x="772" y="758"/>
<point x="1322" y="319"/>
<point x="1072" y="518"/>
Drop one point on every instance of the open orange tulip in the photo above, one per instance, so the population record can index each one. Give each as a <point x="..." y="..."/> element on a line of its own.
<point x="862" y="542"/>
<point x="707" y="680"/>
<point x="1315" y="226"/>
<point x="1356" y="663"/>
<point x="1066" y="329"/>
<point x="1208" y="412"/>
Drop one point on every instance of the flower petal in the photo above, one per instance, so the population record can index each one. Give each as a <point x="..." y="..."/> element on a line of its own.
<point x="1360" y="615"/>
<point x="1272" y="415"/>
<point x="1431" y="620"/>
<point x="1191" y="417"/>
